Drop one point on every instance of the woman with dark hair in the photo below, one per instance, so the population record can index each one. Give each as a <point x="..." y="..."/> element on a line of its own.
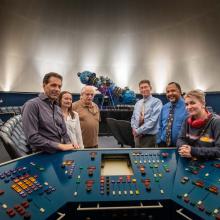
<point x="72" y="119"/>
<point x="200" y="133"/>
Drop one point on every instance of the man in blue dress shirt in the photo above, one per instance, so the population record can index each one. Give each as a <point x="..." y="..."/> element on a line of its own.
<point x="145" y="118"/>
<point x="172" y="116"/>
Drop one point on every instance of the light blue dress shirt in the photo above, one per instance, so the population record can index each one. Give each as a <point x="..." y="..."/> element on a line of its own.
<point x="152" y="109"/>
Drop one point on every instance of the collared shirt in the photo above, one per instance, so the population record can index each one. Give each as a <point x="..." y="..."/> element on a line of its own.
<point x="180" y="114"/>
<point x="43" y="124"/>
<point x="74" y="130"/>
<point x="89" y="117"/>
<point x="152" y="109"/>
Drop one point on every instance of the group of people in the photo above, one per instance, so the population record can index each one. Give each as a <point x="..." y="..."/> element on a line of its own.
<point x="183" y="122"/>
<point x="52" y="122"/>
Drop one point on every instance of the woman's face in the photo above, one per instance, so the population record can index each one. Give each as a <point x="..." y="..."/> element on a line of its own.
<point x="66" y="100"/>
<point x="194" y="106"/>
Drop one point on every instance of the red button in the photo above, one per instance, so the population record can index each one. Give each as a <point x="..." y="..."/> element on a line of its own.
<point x="25" y="204"/>
<point x="2" y="192"/>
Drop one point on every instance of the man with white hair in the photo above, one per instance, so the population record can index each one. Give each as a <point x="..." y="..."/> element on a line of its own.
<point x="89" y="116"/>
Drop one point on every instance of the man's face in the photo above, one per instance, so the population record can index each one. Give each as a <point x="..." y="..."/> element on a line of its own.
<point x="172" y="93"/>
<point x="52" y="88"/>
<point x="145" y="89"/>
<point x="87" y="96"/>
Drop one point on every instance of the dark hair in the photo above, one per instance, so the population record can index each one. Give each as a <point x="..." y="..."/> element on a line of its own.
<point x="145" y="81"/>
<point x="70" y="111"/>
<point x="177" y="85"/>
<point x="51" y="74"/>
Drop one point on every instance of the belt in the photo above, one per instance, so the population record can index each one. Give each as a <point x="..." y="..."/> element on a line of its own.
<point x="148" y="135"/>
<point x="96" y="146"/>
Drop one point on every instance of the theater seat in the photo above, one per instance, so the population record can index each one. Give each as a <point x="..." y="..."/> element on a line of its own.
<point x="15" y="110"/>
<point x="126" y="132"/>
<point x="112" y="124"/>
<point x="210" y="109"/>
<point x="1" y="122"/>
<point x="3" y="110"/>
<point x="121" y="130"/>
<point x="12" y="136"/>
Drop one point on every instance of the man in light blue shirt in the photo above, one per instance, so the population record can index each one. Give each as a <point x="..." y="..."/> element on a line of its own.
<point x="173" y="93"/>
<point x="145" y="118"/>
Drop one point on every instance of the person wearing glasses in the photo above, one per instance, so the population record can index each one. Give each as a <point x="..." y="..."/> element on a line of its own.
<point x="89" y="116"/>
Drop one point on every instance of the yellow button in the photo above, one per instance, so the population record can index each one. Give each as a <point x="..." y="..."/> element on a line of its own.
<point x="137" y="192"/>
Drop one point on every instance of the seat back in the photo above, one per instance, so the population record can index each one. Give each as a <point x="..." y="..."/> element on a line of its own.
<point x="1" y="122"/>
<point x="13" y="138"/>
<point x="15" y="110"/>
<point x="3" y="110"/>
<point x="126" y="132"/>
<point x="9" y="111"/>
<point x="112" y="124"/>
<point x="210" y="109"/>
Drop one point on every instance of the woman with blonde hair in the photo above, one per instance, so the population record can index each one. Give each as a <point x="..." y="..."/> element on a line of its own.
<point x="200" y="133"/>
<point x="71" y="118"/>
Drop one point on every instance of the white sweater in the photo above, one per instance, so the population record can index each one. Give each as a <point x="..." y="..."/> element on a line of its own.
<point x="74" y="130"/>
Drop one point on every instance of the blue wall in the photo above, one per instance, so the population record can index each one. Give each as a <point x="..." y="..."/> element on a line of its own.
<point x="19" y="98"/>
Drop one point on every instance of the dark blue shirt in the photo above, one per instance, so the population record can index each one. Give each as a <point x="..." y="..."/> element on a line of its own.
<point x="180" y="114"/>
<point x="43" y="124"/>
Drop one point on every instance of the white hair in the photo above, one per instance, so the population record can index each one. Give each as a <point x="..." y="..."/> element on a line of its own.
<point x="87" y="88"/>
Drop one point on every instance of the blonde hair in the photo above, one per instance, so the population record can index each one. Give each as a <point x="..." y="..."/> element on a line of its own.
<point x="198" y="94"/>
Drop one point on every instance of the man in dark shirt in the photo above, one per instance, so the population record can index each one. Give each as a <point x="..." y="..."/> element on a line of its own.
<point x="43" y="123"/>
